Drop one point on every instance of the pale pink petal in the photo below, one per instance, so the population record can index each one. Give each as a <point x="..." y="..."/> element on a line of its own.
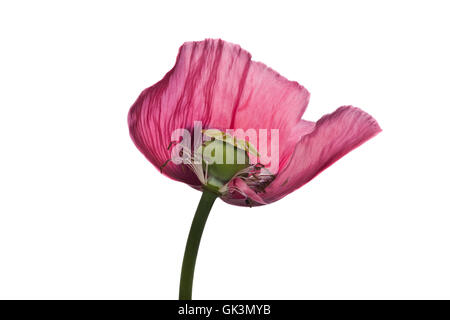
<point x="334" y="136"/>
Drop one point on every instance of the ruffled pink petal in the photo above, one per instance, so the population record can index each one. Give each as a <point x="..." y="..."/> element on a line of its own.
<point x="334" y="136"/>
<point x="214" y="82"/>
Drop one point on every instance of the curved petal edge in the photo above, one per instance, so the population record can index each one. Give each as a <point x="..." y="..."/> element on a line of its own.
<point x="334" y="136"/>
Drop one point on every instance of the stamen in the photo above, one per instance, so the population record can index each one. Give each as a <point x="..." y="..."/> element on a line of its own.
<point x="163" y="165"/>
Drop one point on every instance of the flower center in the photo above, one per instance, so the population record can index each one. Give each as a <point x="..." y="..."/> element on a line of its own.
<point x="222" y="161"/>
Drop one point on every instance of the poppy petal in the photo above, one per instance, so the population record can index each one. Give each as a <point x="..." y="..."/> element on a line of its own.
<point x="334" y="136"/>
<point x="204" y="85"/>
<point x="270" y="101"/>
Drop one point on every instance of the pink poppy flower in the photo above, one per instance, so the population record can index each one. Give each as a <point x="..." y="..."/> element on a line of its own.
<point x="217" y="83"/>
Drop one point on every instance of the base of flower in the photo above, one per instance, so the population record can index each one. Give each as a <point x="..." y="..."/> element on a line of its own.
<point x="193" y="242"/>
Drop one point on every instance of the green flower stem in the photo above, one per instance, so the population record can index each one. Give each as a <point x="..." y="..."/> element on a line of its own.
<point x="193" y="242"/>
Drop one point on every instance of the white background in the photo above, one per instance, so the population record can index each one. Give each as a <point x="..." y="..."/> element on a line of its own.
<point x="84" y="215"/>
